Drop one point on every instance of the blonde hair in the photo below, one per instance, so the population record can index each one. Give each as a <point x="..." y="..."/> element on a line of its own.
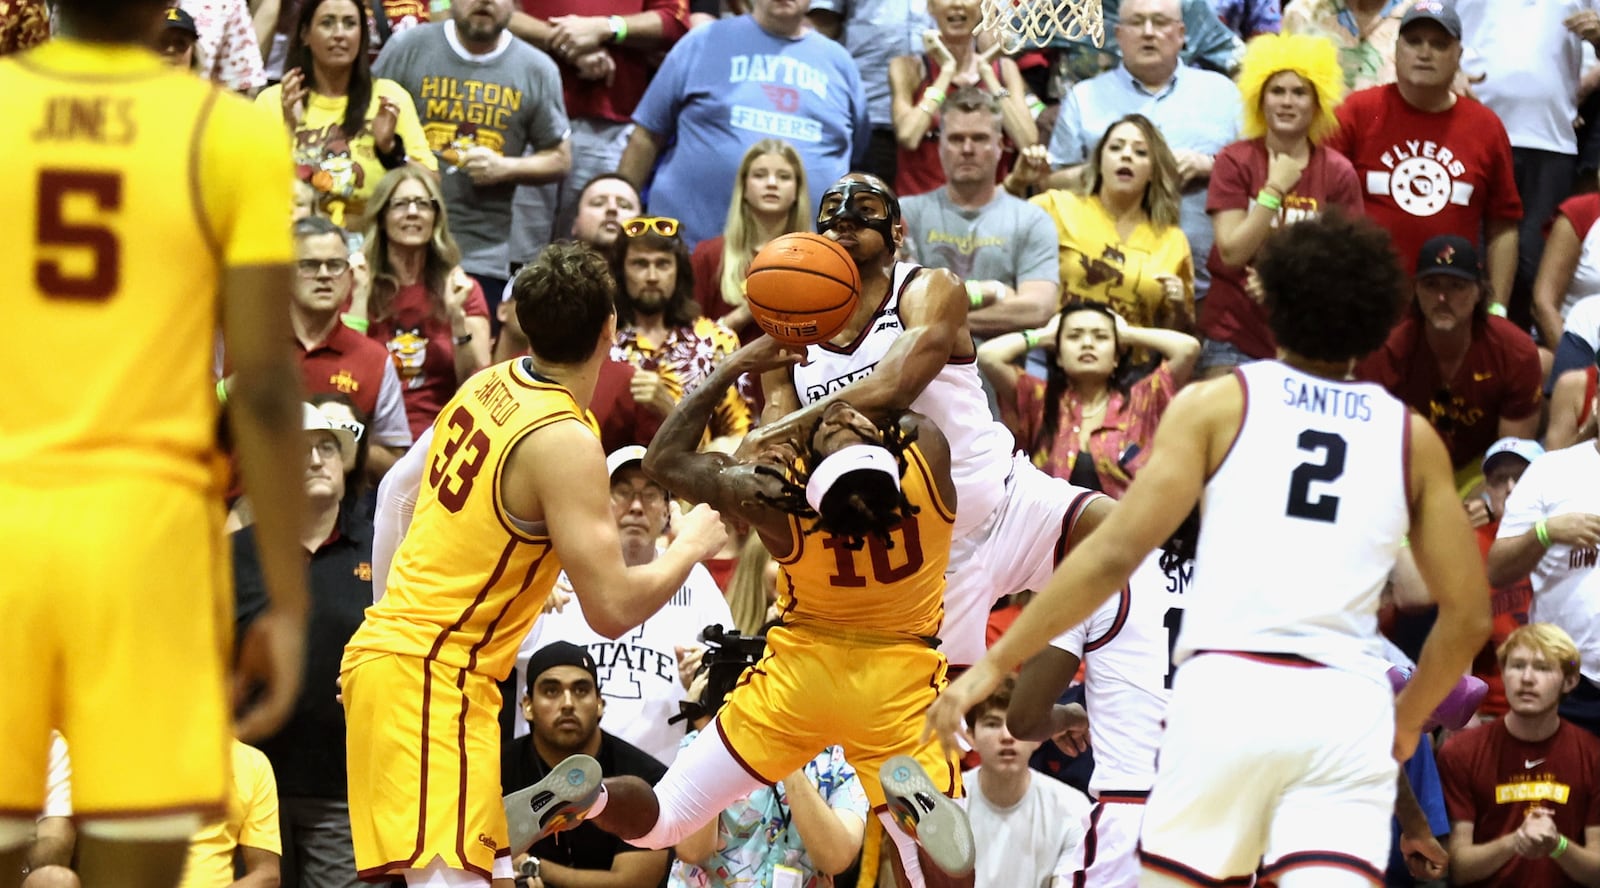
<point x="443" y="254"/>
<point x="1314" y="59"/>
<point x="1161" y="200"/>
<point x="747" y="588"/>
<point x="739" y="233"/>
<point x="1549" y="641"/>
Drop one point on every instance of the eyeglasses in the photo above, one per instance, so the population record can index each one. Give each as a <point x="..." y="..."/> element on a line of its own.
<point x="310" y="268"/>
<point x="402" y="205"/>
<point x="666" y="226"/>
<point x="325" y="448"/>
<point x="650" y="496"/>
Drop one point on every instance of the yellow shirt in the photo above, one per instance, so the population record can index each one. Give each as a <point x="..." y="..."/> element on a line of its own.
<point x="892" y="589"/>
<point x="128" y="188"/>
<point x="345" y="169"/>
<point x="251" y="822"/>
<point x="468" y="581"/>
<point x="1096" y="263"/>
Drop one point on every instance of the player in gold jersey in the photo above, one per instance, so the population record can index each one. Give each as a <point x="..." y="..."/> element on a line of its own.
<point x="861" y="523"/>
<point x="514" y="492"/>
<point x="144" y="209"/>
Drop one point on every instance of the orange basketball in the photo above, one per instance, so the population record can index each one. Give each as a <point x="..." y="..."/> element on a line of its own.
<point x="801" y="288"/>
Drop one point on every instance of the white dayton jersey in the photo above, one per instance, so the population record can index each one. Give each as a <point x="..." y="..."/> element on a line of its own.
<point x="980" y="447"/>
<point x="1126" y="647"/>
<point x="1300" y="525"/>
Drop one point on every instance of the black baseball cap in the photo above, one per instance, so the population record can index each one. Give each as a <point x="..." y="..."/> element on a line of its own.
<point x="178" y="20"/>
<point x="561" y="653"/>
<point x="1437" y="11"/>
<point x="1449" y="254"/>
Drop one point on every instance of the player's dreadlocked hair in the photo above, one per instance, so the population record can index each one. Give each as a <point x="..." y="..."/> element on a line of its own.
<point x="859" y="505"/>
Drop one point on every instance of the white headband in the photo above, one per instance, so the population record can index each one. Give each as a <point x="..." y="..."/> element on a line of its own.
<point x="846" y="460"/>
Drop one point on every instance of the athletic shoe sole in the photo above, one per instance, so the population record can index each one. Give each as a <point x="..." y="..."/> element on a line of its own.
<point x="556" y="803"/>
<point x="927" y="815"/>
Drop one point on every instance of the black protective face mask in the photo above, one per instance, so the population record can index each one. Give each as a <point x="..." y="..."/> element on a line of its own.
<point x="865" y="205"/>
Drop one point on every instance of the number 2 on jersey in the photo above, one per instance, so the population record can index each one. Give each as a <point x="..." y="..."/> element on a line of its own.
<point x="451" y="478"/>
<point x="1326" y="506"/>
<point x="56" y="233"/>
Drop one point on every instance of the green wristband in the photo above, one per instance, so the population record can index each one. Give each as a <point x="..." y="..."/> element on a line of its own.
<point x="1497" y="309"/>
<point x="1560" y="849"/>
<point x="934" y="95"/>
<point x="1031" y="337"/>
<point x="359" y="325"/>
<point x="975" y="294"/>
<point x="222" y="391"/>
<point x="1542" y="531"/>
<point x="1268" y="200"/>
<point x="619" y="28"/>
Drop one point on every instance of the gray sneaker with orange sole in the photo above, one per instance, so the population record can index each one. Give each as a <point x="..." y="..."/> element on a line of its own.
<point x="938" y="824"/>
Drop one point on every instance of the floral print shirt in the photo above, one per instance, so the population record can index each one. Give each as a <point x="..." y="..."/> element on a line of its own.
<point x="1119" y="447"/>
<point x="684" y="359"/>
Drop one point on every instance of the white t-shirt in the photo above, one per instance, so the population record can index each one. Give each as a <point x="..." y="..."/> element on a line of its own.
<point x="1566" y="587"/>
<point x="1532" y="63"/>
<point x="639" y="671"/>
<point x="1027" y="844"/>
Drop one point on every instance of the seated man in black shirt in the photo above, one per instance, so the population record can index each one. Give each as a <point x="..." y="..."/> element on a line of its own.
<point x="563" y="707"/>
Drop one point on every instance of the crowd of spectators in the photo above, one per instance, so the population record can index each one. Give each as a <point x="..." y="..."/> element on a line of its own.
<point x="1103" y="206"/>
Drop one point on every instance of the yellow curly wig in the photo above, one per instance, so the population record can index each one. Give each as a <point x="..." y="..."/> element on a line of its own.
<point x="1313" y="58"/>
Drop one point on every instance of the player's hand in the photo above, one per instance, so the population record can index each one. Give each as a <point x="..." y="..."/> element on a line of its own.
<point x="1071" y="721"/>
<point x="597" y="65"/>
<point x="650" y="390"/>
<point x="1283" y="171"/>
<point x="934" y="44"/>
<point x="485" y="166"/>
<point x="293" y="97"/>
<point x="689" y="659"/>
<point x="765" y="353"/>
<point x="575" y="35"/>
<point x="266" y="682"/>
<point x="1577" y="529"/>
<point x="1425" y="858"/>
<point x="702" y="532"/>
<point x="383" y="124"/>
<point x="946" y="718"/>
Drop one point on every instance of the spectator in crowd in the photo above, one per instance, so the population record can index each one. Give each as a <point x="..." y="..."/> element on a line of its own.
<point x="249" y="830"/>
<point x="753" y="588"/>
<point x="1524" y="791"/>
<point x="1474" y="376"/>
<point x="1119" y="229"/>
<point x="492" y="111"/>
<point x="1503" y="465"/>
<point x="730" y="84"/>
<point x="563" y="707"/>
<point x="336" y="358"/>
<point x="1573" y="403"/>
<point x="1094" y="402"/>
<point x="226" y="44"/>
<point x="1579" y="345"/>
<point x="1433" y="162"/>
<point x="1569" y="269"/>
<point x="23" y="24"/>
<point x="347" y="128"/>
<point x="1525" y="66"/>
<point x="770" y="197"/>
<point x="49" y="858"/>
<point x="659" y="327"/>
<point x="639" y="672"/>
<point x="1279" y="175"/>
<point x="874" y="32"/>
<point x="1249" y="18"/>
<point x="420" y="303"/>
<point x="1197" y="114"/>
<point x="919" y="84"/>
<point x="604" y="204"/>
<point x="176" y="41"/>
<point x="1550" y="533"/>
<point x="1208" y="43"/>
<point x="605" y="61"/>
<point x="1365" y="31"/>
<point x="999" y="244"/>
<point x="1027" y="826"/>
<point x="314" y="815"/>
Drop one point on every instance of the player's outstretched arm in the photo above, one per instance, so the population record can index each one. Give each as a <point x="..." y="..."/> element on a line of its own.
<point x="264" y="407"/>
<point x="1444" y="550"/>
<point x="562" y="463"/>
<point x="1033" y="713"/>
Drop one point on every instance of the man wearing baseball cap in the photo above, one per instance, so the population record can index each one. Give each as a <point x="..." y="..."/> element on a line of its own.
<point x="177" y="38"/>
<point x="1476" y="377"/>
<point x="563" y="708"/>
<point x="1430" y="161"/>
<point x="1503" y="466"/>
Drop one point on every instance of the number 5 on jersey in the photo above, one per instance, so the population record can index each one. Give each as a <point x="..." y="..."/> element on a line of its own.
<point x="72" y="227"/>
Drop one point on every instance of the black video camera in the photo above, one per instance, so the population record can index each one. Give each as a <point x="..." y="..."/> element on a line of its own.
<point x="728" y="654"/>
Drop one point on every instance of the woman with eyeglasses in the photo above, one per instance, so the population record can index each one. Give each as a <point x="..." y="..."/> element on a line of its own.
<point x="348" y="128"/>
<point x="660" y="329"/>
<point x="413" y="296"/>
<point x="769" y="199"/>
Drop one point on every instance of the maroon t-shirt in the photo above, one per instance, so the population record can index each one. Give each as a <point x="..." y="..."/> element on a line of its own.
<point x="1228" y="314"/>
<point x="1427" y="173"/>
<point x="424" y="351"/>
<point x="347" y="363"/>
<point x="1499" y="379"/>
<point x="1490" y="778"/>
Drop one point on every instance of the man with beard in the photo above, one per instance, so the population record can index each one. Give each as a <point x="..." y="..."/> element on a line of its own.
<point x="563" y="706"/>
<point x="470" y="68"/>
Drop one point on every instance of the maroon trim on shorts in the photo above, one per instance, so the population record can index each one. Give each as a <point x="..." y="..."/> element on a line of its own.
<point x="1270" y="658"/>
<point x="204" y="809"/>
<point x="1188" y="874"/>
<point x="1069" y="520"/>
<point x="1123" y="796"/>
<point x="1091" y="847"/>
<point x="728" y="745"/>
<point x="1328" y="859"/>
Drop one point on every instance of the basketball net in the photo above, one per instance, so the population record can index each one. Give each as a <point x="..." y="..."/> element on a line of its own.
<point x="1023" y="23"/>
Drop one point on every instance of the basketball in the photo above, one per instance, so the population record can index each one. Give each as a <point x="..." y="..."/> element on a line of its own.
<point x="801" y="288"/>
